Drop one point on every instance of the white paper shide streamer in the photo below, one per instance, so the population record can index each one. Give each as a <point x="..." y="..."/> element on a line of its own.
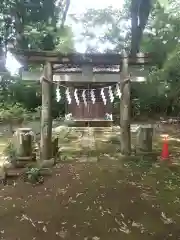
<point x="68" y="96"/>
<point x="103" y="96"/>
<point x="58" y="94"/>
<point x="84" y="97"/>
<point x="118" y="91"/>
<point x="76" y="96"/>
<point x="93" y="96"/>
<point x="111" y="96"/>
<point x="68" y="116"/>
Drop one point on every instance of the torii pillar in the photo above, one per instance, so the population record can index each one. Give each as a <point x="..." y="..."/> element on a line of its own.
<point x="46" y="113"/>
<point x="125" y="109"/>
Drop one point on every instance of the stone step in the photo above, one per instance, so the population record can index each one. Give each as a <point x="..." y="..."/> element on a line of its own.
<point x="23" y="164"/>
<point x="26" y="159"/>
<point x="15" y="172"/>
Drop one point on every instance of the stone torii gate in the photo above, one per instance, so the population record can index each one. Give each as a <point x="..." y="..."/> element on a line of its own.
<point x="49" y="59"/>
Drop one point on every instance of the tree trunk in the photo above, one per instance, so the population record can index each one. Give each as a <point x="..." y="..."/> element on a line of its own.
<point x="46" y="114"/>
<point x="134" y="26"/>
<point x="125" y="107"/>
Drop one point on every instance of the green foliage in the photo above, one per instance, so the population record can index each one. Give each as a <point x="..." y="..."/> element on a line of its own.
<point x="10" y="112"/>
<point x="164" y="3"/>
<point x="34" y="176"/>
<point x="22" y="92"/>
<point x="162" y="33"/>
<point x="11" y="152"/>
<point x="160" y="94"/>
<point x="38" y="25"/>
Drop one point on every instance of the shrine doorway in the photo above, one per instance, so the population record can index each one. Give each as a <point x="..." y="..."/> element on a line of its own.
<point x="88" y="112"/>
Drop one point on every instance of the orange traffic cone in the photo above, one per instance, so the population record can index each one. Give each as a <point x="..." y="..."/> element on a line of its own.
<point x="165" y="149"/>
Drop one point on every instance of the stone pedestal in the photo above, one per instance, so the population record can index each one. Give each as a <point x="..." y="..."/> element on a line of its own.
<point x="145" y="138"/>
<point x="23" y="142"/>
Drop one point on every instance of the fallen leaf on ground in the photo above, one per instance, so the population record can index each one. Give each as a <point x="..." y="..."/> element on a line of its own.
<point x="122" y="227"/>
<point x="95" y="238"/>
<point x="165" y="219"/>
<point x="78" y="194"/>
<point x="62" y="234"/>
<point x="63" y="223"/>
<point x="44" y="229"/>
<point x="8" y="198"/>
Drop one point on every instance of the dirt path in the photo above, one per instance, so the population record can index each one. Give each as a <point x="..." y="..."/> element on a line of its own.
<point x="87" y="201"/>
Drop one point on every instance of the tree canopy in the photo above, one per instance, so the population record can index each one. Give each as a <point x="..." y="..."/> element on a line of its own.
<point x="37" y="25"/>
<point x="140" y="11"/>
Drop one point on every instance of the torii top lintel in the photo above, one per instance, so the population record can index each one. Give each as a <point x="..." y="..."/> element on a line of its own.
<point x="79" y="58"/>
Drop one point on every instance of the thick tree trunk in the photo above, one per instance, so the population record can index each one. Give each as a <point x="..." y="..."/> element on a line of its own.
<point x="125" y="106"/>
<point x="140" y="10"/>
<point x="134" y="26"/>
<point x="46" y="114"/>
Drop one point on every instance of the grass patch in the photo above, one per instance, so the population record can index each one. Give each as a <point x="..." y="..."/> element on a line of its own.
<point x="3" y="143"/>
